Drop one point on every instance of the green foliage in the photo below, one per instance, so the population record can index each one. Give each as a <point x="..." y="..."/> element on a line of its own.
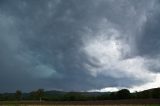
<point x="123" y="94"/>
<point x="103" y="96"/>
<point x="33" y="95"/>
<point x="18" y="95"/>
<point x="40" y="94"/>
<point x="74" y="96"/>
<point x="156" y="93"/>
<point x="37" y="95"/>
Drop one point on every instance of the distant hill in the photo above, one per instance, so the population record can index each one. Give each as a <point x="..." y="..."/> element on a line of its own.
<point x="55" y="95"/>
<point x="150" y="93"/>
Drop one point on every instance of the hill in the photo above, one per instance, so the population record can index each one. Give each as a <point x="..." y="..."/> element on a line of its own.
<point x="81" y="96"/>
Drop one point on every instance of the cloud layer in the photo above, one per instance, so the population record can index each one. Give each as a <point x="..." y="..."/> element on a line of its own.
<point x="79" y="45"/>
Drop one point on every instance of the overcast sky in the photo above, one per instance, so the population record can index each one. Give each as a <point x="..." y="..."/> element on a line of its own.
<point x="79" y="45"/>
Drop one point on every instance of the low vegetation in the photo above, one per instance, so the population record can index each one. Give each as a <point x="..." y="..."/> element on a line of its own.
<point x="122" y="97"/>
<point x="42" y="95"/>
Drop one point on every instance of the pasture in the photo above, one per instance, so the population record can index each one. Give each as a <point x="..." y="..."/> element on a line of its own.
<point x="76" y="103"/>
<point x="80" y="105"/>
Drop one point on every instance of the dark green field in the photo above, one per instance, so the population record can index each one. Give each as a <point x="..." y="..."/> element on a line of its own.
<point x="81" y="103"/>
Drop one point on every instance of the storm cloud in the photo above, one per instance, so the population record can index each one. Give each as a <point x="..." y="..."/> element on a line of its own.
<point x="75" y="45"/>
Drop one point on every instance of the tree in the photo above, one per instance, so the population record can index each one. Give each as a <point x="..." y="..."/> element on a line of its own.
<point x="33" y="95"/>
<point x="18" y="95"/>
<point x="156" y="93"/>
<point x="113" y="95"/>
<point x="123" y="94"/>
<point x="40" y="93"/>
<point x="146" y="94"/>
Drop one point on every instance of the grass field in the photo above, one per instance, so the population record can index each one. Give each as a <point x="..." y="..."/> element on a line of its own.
<point x="84" y="103"/>
<point x="80" y="105"/>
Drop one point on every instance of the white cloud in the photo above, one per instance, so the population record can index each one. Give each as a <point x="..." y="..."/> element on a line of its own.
<point x="108" y="89"/>
<point x="107" y="50"/>
<point x="154" y="84"/>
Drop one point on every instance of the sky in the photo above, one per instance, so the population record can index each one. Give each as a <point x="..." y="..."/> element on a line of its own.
<point x="79" y="45"/>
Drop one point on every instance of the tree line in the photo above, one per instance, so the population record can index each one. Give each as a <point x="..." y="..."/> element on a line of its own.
<point x="42" y="95"/>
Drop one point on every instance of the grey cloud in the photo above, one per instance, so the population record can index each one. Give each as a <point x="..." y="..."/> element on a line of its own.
<point x="41" y="42"/>
<point x="149" y="42"/>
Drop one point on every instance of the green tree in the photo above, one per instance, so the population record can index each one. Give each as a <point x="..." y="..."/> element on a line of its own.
<point x="145" y="94"/>
<point x="156" y="93"/>
<point x="18" y="95"/>
<point x="33" y="95"/>
<point x="123" y="94"/>
<point x="113" y="95"/>
<point x="40" y="94"/>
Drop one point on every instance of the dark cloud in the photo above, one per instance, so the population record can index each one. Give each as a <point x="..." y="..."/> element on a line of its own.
<point x="149" y="42"/>
<point x="58" y="44"/>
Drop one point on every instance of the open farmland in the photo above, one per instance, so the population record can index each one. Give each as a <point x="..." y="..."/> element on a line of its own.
<point x="82" y="105"/>
<point x="144" y="102"/>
